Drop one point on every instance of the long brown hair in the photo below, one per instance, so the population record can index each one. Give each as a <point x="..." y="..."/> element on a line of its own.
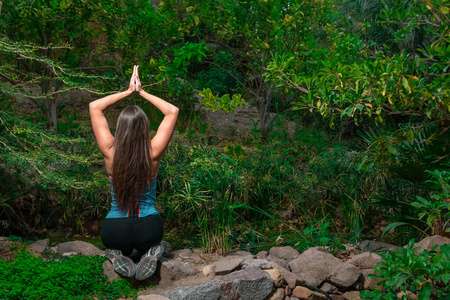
<point x="132" y="164"/>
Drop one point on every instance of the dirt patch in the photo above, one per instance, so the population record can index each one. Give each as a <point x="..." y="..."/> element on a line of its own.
<point x="8" y="249"/>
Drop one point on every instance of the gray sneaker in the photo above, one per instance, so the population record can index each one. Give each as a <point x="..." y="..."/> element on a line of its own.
<point x="147" y="265"/>
<point x="123" y="265"/>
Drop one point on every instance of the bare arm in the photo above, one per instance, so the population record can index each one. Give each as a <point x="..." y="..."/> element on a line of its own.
<point x="162" y="138"/>
<point x="99" y="124"/>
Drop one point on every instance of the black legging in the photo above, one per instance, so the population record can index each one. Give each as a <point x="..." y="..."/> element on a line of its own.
<point x="126" y="234"/>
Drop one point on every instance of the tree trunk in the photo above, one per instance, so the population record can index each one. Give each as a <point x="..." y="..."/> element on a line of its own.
<point x="263" y="104"/>
<point x="50" y="113"/>
<point x="50" y="105"/>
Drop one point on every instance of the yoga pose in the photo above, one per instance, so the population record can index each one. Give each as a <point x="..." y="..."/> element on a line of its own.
<point x="133" y="224"/>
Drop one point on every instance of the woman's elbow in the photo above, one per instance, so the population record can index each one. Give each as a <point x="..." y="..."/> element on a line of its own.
<point x="175" y="111"/>
<point x="92" y="106"/>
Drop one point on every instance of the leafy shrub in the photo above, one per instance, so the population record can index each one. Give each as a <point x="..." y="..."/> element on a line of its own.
<point x="79" y="277"/>
<point x="426" y="274"/>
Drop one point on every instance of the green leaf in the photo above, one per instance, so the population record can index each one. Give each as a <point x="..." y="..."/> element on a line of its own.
<point x="54" y="3"/>
<point x="392" y="226"/>
<point x="196" y="20"/>
<point x="391" y="148"/>
<point x="425" y="293"/>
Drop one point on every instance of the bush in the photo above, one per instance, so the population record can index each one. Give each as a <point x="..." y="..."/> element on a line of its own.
<point x="426" y="274"/>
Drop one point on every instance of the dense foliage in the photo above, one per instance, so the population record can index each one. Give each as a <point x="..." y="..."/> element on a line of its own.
<point x="366" y="88"/>
<point x="79" y="277"/>
<point x="426" y="274"/>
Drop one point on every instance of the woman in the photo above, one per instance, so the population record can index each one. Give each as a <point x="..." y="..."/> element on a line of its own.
<point x="132" y="162"/>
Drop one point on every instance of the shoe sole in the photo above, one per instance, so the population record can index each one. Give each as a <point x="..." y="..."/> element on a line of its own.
<point x="157" y="251"/>
<point x="112" y="253"/>
<point x="124" y="266"/>
<point x="146" y="268"/>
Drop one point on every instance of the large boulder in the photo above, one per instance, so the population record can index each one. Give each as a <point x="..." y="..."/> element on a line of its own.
<point x="79" y="247"/>
<point x="251" y="283"/>
<point x="315" y="267"/>
<point x="172" y="269"/>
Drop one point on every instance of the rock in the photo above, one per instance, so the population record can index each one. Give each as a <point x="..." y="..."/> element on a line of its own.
<point x="40" y="246"/>
<point x="338" y="297"/>
<point x="79" y="247"/>
<point x="287" y="253"/>
<point x="171" y="269"/>
<point x="262" y="254"/>
<point x="69" y="254"/>
<point x="429" y="242"/>
<point x="251" y="283"/>
<point x="346" y="275"/>
<point x="329" y="288"/>
<point x="260" y="263"/>
<point x="359" y="284"/>
<point x="209" y="271"/>
<point x="315" y="267"/>
<point x="276" y="277"/>
<point x="277" y="294"/>
<point x="366" y="260"/>
<point x="180" y="254"/>
<point x="281" y="262"/>
<point x="373" y="246"/>
<point x="167" y="247"/>
<point x="290" y="278"/>
<point x="352" y="295"/>
<point x="152" y="297"/>
<point x="108" y="271"/>
<point x="198" y="251"/>
<point x="247" y="255"/>
<point x="304" y="293"/>
<point x="409" y="295"/>
<point x="369" y="282"/>
<point x="301" y="292"/>
<point x="195" y="258"/>
<point x="227" y="265"/>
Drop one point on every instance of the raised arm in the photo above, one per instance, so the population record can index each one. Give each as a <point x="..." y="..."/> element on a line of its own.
<point x="162" y="138"/>
<point x="99" y="124"/>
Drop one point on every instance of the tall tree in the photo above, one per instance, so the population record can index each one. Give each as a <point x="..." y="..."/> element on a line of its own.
<point x="246" y="34"/>
<point x="52" y="29"/>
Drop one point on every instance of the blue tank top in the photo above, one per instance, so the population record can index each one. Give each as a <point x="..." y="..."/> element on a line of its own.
<point x="146" y="203"/>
